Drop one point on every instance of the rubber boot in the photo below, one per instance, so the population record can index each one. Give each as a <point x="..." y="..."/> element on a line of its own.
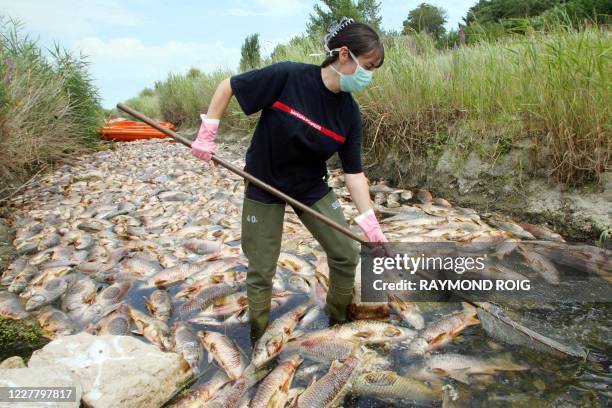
<point x="342" y="255"/>
<point x="262" y="229"/>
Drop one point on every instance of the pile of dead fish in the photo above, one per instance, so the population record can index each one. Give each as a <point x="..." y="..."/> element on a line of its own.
<point x="148" y="220"/>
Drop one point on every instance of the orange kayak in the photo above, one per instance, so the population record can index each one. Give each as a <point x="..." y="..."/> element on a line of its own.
<point x="127" y="130"/>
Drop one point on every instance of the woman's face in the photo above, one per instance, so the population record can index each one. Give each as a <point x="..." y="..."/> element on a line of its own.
<point x="346" y="64"/>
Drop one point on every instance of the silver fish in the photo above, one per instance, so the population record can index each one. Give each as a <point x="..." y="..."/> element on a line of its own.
<point x="225" y="352"/>
<point x="188" y="345"/>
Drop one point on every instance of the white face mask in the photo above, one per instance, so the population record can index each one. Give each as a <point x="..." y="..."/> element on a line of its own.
<point x="356" y="81"/>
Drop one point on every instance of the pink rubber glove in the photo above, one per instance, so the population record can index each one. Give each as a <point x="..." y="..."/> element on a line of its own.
<point x="368" y="223"/>
<point x="204" y="146"/>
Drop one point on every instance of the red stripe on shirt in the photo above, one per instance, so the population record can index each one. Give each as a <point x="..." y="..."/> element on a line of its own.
<point x="308" y="121"/>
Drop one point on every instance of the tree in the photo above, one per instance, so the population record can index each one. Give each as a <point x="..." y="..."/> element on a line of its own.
<point x="365" y="11"/>
<point x="426" y="18"/>
<point x="492" y="11"/>
<point x="250" y="53"/>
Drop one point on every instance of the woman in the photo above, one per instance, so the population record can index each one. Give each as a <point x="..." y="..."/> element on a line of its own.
<point x="307" y="114"/>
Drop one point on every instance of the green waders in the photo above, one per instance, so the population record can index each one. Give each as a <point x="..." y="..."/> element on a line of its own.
<point x="262" y="227"/>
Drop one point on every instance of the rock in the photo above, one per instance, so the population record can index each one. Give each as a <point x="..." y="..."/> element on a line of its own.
<point x="40" y="377"/>
<point x="13" y="362"/>
<point x="115" y="370"/>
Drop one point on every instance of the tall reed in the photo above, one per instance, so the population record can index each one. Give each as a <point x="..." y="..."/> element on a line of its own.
<point x="49" y="108"/>
<point x="549" y="89"/>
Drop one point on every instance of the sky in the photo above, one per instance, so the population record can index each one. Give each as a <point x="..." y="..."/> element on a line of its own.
<point x="130" y="44"/>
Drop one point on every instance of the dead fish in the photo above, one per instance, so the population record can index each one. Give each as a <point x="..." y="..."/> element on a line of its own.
<point x="188" y="345"/>
<point x="380" y="188"/>
<point x="225" y="351"/>
<point x="424" y="196"/>
<point x="388" y="384"/>
<point x="223" y="307"/>
<point x="204" y="392"/>
<point x="443" y="330"/>
<point x="499" y="271"/>
<point x="141" y="267"/>
<point x="95" y="225"/>
<point x="94" y="267"/>
<point x="27" y="248"/>
<point x="206" y="298"/>
<point x="159" y="304"/>
<point x="542" y="232"/>
<point x="510" y="227"/>
<point x="174" y="196"/>
<point x="276" y="335"/>
<point x="54" y="323"/>
<point x="113" y="293"/>
<point x="441" y="202"/>
<point x="331" y="388"/>
<point x="393" y="200"/>
<point x="230" y="396"/>
<point x="83" y="241"/>
<point x="367" y="332"/>
<point x="379" y="198"/>
<point x="51" y="291"/>
<point x="405" y="196"/>
<point x="116" y="323"/>
<point x="323" y="349"/>
<point x="408" y="311"/>
<point x="13" y="270"/>
<point x="177" y="273"/>
<point x="460" y="366"/>
<point x="49" y="241"/>
<point x="22" y="279"/>
<point x="295" y="264"/>
<point x="274" y="389"/>
<point x="202" y="247"/>
<point x="10" y="306"/>
<point x="541" y="265"/>
<point x="154" y="330"/>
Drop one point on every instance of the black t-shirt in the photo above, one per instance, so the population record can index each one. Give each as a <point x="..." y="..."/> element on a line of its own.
<point x="302" y="125"/>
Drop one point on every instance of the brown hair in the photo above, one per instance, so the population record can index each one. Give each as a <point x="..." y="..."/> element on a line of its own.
<point x="360" y="38"/>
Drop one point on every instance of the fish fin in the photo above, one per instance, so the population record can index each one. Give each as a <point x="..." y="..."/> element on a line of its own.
<point x="89" y="299"/>
<point x="439" y="372"/>
<point x="363" y="334"/>
<point x="313" y="380"/>
<point x="335" y="364"/>
<point x="278" y="399"/>
<point x="210" y="357"/>
<point x="460" y="375"/>
<point x="472" y="321"/>
<point x="295" y="335"/>
<point x="468" y="308"/>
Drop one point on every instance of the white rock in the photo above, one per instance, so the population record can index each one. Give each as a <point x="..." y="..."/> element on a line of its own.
<point x="116" y="370"/>
<point x="13" y="362"/>
<point x="40" y="377"/>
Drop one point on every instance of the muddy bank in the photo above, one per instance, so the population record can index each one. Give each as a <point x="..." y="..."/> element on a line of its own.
<point x="499" y="185"/>
<point x="510" y="185"/>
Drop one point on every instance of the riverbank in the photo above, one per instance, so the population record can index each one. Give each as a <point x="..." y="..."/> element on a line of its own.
<point x="579" y="215"/>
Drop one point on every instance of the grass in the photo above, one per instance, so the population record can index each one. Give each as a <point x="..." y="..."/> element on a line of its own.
<point x="49" y="108"/>
<point x="547" y="89"/>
